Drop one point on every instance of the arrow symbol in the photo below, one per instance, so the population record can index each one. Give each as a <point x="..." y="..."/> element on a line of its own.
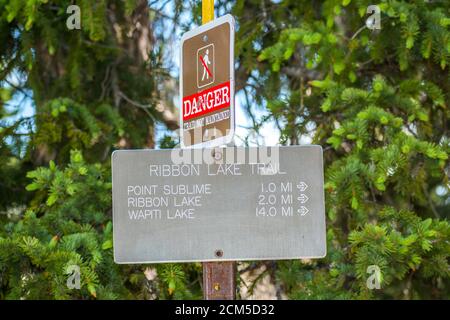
<point x="303" y="210"/>
<point x="303" y="198"/>
<point x="302" y="186"/>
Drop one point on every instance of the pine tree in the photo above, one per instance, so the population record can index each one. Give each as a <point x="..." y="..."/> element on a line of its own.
<point x="378" y="102"/>
<point x="93" y="90"/>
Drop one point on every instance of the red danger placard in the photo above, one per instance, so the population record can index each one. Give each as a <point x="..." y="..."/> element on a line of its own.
<point x="206" y="101"/>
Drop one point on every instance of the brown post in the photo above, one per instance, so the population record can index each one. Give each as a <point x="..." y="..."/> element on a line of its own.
<point x="219" y="280"/>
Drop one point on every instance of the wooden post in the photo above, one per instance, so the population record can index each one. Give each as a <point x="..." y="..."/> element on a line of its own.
<point x="219" y="278"/>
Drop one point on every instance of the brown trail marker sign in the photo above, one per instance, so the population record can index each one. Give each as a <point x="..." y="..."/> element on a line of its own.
<point x="222" y="204"/>
<point x="207" y="84"/>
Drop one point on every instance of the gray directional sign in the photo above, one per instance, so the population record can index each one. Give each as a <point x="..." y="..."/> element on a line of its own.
<point x="218" y="204"/>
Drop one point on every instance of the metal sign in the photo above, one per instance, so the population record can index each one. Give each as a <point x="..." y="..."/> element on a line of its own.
<point x="207" y="84"/>
<point x="233" y="203"/>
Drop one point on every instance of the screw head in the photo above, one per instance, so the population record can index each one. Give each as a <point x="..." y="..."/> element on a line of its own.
<point x="218" y="253"/>
<point x="217" y="154"/>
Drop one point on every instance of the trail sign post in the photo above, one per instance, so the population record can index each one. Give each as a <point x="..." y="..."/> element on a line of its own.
<point x="221" y="204"/>
<point x="207" y="84"/>
<point x="219" y="278"/>
<point x="209" y="203"/>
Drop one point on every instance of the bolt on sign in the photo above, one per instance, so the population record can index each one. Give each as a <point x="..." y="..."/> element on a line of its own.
<point x="207" y="84"/>
<point x="218" y="204"/>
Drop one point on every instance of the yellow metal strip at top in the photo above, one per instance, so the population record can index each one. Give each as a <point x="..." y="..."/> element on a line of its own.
<point x="207" y="11"/>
